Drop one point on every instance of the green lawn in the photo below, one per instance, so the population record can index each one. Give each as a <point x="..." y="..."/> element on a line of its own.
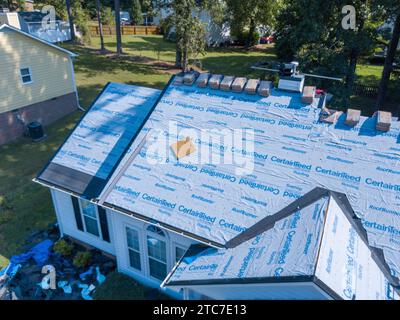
<point x="26" y="207"/>
<point x="121" y="287"/>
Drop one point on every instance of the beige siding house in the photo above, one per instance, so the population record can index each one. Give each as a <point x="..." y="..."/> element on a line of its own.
<point x="36" y="82"/>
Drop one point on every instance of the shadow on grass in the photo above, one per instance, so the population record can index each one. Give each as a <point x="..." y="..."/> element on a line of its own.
<point x="26" y="206"/>
<point x="121" y="287"/>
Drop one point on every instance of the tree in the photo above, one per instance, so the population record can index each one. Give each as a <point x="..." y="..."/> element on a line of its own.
<point x="357" y="42"/>
<point x="312" y="32"/>
<point x="70" y="19"/>
<point x="98" y="12"/>
<point x="117" y="10"/>
<point x="190" y="32"/>
<point x="136" y="13"/>
<point x="249" y="14"/>
<point x="391" y="54"/>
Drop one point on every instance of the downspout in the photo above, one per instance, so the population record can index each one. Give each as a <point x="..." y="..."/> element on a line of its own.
<point x="74" y="84"/>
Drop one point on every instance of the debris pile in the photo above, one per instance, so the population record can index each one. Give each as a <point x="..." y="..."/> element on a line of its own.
<point x="43" y="274"/>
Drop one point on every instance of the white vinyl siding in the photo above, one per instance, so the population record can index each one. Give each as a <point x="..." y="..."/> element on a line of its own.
<point x="52" y="75"/>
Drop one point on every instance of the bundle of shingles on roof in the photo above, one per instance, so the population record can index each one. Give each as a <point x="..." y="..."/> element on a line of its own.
<point x="227" y="83"/>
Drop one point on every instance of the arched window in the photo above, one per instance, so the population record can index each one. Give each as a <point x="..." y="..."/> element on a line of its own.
<point x="156" y="230"/>
<point x="157" y="252"/>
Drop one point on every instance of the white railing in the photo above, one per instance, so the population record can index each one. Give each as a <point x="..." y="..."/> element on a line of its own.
<point x="59" y="32"/>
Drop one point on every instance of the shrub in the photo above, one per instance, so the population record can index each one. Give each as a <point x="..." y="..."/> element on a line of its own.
<point x="82" y="259"/>
<point x="242" y="38"/>
<point x="63" y="247"/>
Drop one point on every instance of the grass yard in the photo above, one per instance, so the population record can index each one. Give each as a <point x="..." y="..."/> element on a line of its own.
<point x="25" y="206"/>
<point x="121" y="287"/>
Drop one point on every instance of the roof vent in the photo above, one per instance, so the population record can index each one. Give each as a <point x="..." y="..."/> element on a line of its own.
<point x="251" y="86"/>
<point x="383" y="120"/>
<point x="215" y="81"/>
<point x="265" y="88"/>
<point x="226" y="83"/>
<point x="202" y="80"/>
<point x="352" y="117"/>
<point x="238" y="84"/>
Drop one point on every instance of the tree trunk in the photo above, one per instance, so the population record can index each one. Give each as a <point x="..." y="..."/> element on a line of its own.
<point x="252" y="29"/>
<point x="70" y="20"/>
<point x="350" y="77"/>
<point x="351" y="71"/>
<point x="178" y="57"/>
<point x="118" y="26"/>
<point x="388" y="67"/>
<point x="185" y="60"/>
<point x="98" y="9"/>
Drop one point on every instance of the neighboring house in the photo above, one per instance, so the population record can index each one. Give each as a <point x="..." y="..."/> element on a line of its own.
<point x="388" y="26"/>
<point x="37" y="82"/>
<point x="29" y="5"/>
<point x="215" y="34"/>
<point x="279" y="218"/>
<point x="32" y="23"/>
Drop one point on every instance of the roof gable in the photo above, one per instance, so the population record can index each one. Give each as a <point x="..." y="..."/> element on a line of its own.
<point x="288" y="249"/>
<point x="316" y="239"/>
<point x="6" y="27"/>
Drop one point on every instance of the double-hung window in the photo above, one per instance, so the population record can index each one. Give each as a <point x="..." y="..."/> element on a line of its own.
<point x="132" y="237"/>
<point x="157" y="252"/>
<point x="179" y="252"/>
<point x="90" y="217"/>
<point x="26" y="75"/>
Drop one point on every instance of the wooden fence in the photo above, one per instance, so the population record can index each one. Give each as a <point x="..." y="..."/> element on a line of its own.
<point x="366" y="91"/>
<point x="125" y="30"/>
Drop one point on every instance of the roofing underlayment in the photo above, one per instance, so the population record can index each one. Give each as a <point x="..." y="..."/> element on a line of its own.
<point x="215" y="202"/>
<point x="320" y="236"/>
<point x="86" y="160"/>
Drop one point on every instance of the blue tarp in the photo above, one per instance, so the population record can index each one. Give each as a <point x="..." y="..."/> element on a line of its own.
<point x="40" y="253"/>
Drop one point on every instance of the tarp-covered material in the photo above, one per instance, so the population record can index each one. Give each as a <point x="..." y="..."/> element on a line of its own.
<point x="90" y="154"/>
<point x="293" y="153"/>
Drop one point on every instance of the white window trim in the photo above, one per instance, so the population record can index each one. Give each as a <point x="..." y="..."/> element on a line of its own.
<point x="167" y="242"/>
<point x="142" y="264"/>
<point x="21" y="77"/>
<point x="100" y="236"/>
